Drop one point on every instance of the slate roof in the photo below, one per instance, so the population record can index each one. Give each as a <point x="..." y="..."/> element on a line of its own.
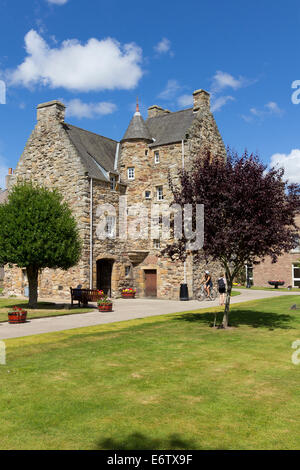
<point x="137" y="129"/>
<point x="171" y="127"/>
<point x="3" y="196"/>
<point x="97" y="152"/>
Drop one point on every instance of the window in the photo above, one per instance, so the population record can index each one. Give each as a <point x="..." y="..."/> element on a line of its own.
<point x="110" y="228"/>
<point x="131" y="173"/>
<point x="156" y="244"/>
<point x="113" y="183"/>
<point x="127" y="271"/>
<point x="159" y="192"/>
<point x="156" y="157"/>
<point x="148" y="194"/>
<point x="296" y="275"/>
<point x="146" y="153"/>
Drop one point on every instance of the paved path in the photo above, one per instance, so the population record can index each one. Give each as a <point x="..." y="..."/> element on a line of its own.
<point x="124" y="309"/>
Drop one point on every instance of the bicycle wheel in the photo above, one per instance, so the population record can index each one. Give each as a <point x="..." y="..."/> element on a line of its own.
<point x="213" y="294"/>
<point x="201" y="296"/>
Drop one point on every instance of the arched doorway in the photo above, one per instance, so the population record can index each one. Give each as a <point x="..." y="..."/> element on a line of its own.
<point x="104" y="270"/>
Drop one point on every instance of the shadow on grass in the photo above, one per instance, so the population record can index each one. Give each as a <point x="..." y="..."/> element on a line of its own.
<point x="138" y="441"/>
<point x="254" y="318"/>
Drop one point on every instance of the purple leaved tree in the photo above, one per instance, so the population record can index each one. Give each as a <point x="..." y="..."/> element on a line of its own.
<point x="249" y="212"/>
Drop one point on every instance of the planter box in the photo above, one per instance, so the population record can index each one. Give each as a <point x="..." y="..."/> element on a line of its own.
<point x="128" y="295"/>
<point x="105" y="308"/>
<point x="276" y="283"/>
<point x="17" y="317"/>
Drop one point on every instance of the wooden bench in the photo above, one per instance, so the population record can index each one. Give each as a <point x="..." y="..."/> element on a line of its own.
<point x="84" y="296"/>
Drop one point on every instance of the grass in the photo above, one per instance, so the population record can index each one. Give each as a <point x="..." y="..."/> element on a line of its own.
<point x="234" y="293"/>
<point x="283" y="289"/>
<point x="165" y="382"/>
<point x="44" y="309"/>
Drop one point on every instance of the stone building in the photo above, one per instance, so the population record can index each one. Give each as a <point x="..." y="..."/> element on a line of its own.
<point x="92" y="171"/>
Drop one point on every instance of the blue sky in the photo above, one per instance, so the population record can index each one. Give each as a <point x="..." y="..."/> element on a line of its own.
<point x="98" y="56"/>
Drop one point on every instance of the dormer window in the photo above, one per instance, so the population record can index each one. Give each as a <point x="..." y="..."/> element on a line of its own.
<point x="131" y="173"/>
<point x="156" y="157"/>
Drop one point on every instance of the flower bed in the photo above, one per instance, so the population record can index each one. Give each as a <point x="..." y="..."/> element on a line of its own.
<point x="128" y="293"/>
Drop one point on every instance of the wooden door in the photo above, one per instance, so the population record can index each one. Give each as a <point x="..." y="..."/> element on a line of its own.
<point x="151" y="283"/>
<point x="104" y="270"/>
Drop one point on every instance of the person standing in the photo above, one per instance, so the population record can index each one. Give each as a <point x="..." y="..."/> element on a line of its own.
<point x="222" y="288"/>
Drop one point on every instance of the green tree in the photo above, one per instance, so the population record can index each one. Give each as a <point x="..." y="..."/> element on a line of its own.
<point x="37" y="230"/>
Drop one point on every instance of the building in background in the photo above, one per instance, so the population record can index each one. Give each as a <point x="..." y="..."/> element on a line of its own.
<point x="286" y="269"/>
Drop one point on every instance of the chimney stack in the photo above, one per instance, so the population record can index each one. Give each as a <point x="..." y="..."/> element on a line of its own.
<point x="155" y="110"/>
<point x="50" y="112"/>
<point x="8" y="177"/>
<point x="201" y="100"/>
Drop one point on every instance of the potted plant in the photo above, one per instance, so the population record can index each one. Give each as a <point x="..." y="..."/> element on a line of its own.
<point x="104" y="304"/>
<point x="128" y="293"/>
<point x="276" y="283"/>
<point x="17" y="315"/>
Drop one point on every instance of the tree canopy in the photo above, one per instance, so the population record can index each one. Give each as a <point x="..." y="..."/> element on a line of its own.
<point x="249" y="211"/>
<point x="37" y="230"/>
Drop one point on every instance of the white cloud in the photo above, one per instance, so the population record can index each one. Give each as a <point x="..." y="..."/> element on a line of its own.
<point x="170" y="91"/>
<point x="269" y="109"/>
<point x="218" y="103"/>
<point x="291" y="164"/>
<point x="273" y="108"/>
<point x="96" y="65"/>
<point x="58" y="2"/>
<point x="185" y="100"/>
<point x="164" y="47"/>
<point x="222" y="80"/>
<point x="79" y="109"/>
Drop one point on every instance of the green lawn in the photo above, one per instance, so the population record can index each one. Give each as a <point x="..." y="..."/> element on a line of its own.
<point x="234" y="293"/>
<point x="45" y="309"/>
<point x="283" y="289"/>
<point x="166" y="382"/>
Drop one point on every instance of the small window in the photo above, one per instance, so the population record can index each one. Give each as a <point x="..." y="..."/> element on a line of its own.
<point x="296" y="275"/>
<point x="110" y="228"/>
<point x="156" y="157"/>
<point x="113" y="183"/>
<point x="146" y="153"/>
<point x="160" y="194"/>
<point x="156" y="244"/>
<point x="148" y="194"/>
<point x="131" y="173"/>
<point x="127" y="271"/>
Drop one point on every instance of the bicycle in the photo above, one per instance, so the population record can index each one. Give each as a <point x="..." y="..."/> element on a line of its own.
<point x="203" y="294"/>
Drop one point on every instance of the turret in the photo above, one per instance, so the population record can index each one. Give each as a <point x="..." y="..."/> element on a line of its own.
<point x="137" y="129"/>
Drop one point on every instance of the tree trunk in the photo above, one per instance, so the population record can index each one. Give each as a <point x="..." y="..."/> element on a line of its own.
<point x="227" y="304"/>
<point x="32" y="275"/>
